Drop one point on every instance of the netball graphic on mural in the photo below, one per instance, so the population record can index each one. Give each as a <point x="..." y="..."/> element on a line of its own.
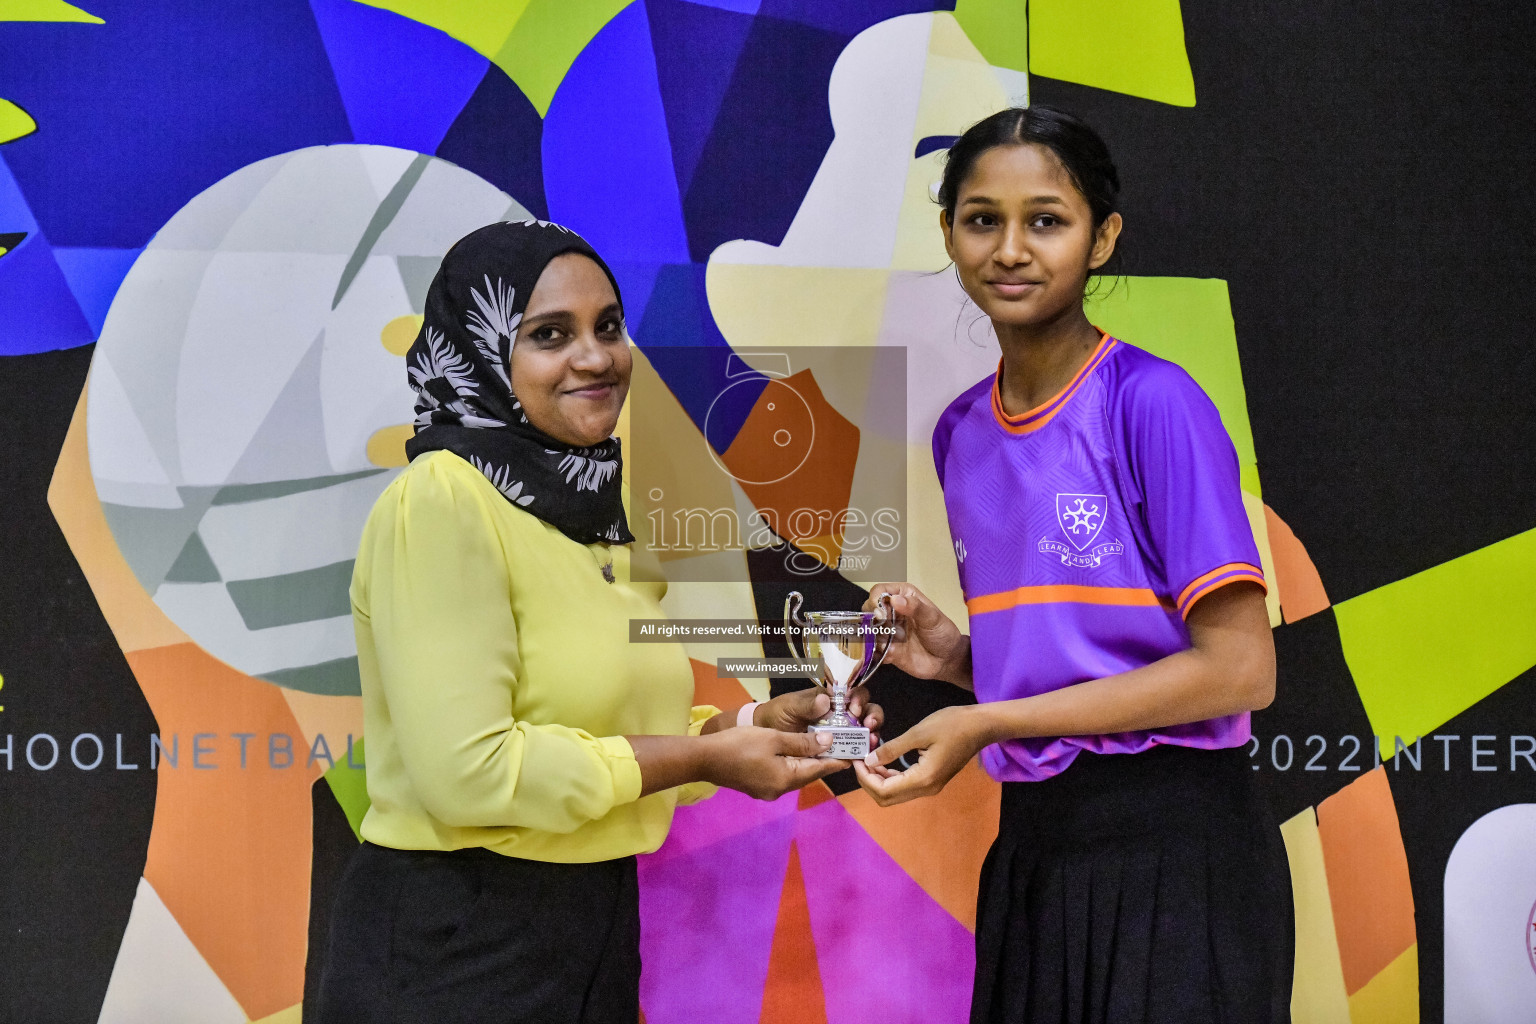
<point x="245" y="407"/>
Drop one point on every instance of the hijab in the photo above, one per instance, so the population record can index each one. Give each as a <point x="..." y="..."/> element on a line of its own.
<point x="460" y="367"/>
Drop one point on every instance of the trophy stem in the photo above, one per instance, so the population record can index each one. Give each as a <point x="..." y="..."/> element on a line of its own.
<point x="839" y="703"/>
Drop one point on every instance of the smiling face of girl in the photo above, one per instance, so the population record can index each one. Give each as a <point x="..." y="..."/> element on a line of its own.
<point x="1023" y="239"/>
<point x="571" y="363"/>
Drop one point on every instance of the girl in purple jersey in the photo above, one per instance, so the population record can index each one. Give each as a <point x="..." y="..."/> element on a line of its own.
<point x="1118" y="633"/>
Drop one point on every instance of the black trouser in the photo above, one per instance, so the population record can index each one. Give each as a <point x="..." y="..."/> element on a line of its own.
<point x="427" y="937"/>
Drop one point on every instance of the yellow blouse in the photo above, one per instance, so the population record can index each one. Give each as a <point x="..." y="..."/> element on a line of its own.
<point x="499" y="680"/>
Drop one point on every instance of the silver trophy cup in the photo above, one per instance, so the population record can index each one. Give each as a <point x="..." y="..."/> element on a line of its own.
<point x="850" y="648"/>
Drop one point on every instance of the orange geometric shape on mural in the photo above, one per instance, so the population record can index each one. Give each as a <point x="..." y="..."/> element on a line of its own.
<point x="793" y="993"/>
<point x="229" y="853"/>
<point x="939" y="841"/>
<point x="1297" y="580"/>
<point x="813" y="795"/>
<point x="1367" y="877"/>
<point x="725" y="693"/>
<point x="134" y="618"/>
<point x="801" y="484"/>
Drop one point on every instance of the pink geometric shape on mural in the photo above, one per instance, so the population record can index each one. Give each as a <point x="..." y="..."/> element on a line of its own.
<point x="707" y="917"/>
<point x="723" y="815"/>
<point x="862" y="901"/>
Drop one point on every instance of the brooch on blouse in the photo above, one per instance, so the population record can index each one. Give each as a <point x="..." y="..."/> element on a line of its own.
<point x="608" y="571"/>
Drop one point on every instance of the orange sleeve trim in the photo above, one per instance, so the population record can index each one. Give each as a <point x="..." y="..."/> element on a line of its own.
<point x="1232" y="572"/>
<point x="1062" y="593"/>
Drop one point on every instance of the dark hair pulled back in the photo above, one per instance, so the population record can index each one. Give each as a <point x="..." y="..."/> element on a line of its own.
<point x="1081" y="152"/>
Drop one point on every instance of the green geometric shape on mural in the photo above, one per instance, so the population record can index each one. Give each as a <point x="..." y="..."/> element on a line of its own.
<point x="1187" y="320"/>
<point x="1426" y="648"/>
<point x="14" y="122"/>
<point x="1134" y="47"/>
<point x="336" y="678"/>
<point x="482" y="25"/>
<point x="291" y="597"/>
<point x="193" y="565"/>
<point x="547" y="40"/>
<point x="235" y="494"/>
<point x="534" y="41"/>
<point x="350" y="786"/>
<point x="999" y="29"/>
<point x="45" y="10"/>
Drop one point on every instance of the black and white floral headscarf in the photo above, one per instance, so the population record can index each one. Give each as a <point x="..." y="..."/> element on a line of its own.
<point x="460" y="368"/>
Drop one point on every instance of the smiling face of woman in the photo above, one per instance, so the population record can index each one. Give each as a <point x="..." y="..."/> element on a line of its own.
<point x="1023" y="238"/>
<point x="571" y="362"/>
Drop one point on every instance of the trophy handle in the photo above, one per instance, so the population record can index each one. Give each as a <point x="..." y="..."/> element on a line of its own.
<point x="884" y="615"/>
<point x="792" y="618"/>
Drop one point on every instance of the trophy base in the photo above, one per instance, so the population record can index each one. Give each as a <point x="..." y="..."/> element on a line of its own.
<point x="849" y="743"/>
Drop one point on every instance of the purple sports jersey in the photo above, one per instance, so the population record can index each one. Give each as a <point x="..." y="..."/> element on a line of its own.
<point x="1085" y="530"/>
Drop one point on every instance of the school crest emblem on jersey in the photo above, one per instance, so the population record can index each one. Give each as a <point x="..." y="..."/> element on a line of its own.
<point x="1081" y="518"/>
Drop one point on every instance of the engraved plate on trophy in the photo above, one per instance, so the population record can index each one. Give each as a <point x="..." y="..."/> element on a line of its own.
<point x="850" y="646"/>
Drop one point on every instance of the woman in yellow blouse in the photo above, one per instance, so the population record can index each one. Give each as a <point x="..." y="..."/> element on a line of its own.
<point x="520" y="750"/>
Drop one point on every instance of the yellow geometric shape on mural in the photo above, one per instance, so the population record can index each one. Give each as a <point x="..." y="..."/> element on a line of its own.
<point x="14" y="122"/>
<point x="678" y="469"/>
<point x="386" y="448"/>
<point x="45" y="10"/>
<point x="1259" y="524"/>
<point x="761" y="305"/>
<point x="1392" y="996"/>
<point x="534" y="41"/>
<point x="959" y="89"/>
<point x="1317" y="989"/>
<point x="399" y="333"/>
<point x="293" y="1015"/>
<point x="1426" y="648"/>
<point x="1134" y="47"/>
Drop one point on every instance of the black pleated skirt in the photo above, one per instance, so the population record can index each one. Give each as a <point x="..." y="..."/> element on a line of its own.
<point x="426" y="937"/>
<point x="1136" y="889"/>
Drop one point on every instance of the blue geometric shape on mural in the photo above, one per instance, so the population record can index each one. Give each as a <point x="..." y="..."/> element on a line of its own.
<point x="687" y="350"/>
<point x="94" y="276"/>
<point x="636" y="280"/>
<point x="15" y="215"/>
<point x="702" y="380"/>
<point x="498" y="135"/>
<point x="848" y="19"/>
<point x="41" y="313"/>
<point x="696" y="49"/>
<point x="739" y="6"/>
<point x="678" y="313"/>
<point x="750" y="180"/>
<point x="932" y="144"/>
<point x="402" y="82"/>
<point x="137" y="116"/>
<point x="607" y="158"/>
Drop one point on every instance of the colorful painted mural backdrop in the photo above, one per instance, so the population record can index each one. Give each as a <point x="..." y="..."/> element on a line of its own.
<point x="217" y="227"/>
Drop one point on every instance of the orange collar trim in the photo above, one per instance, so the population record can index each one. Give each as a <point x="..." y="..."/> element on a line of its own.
<point x="1040" y="415"/>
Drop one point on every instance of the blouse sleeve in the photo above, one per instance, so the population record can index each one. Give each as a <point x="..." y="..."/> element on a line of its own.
<point x="446" y="645"/>
<point x="1184" y="476"/>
